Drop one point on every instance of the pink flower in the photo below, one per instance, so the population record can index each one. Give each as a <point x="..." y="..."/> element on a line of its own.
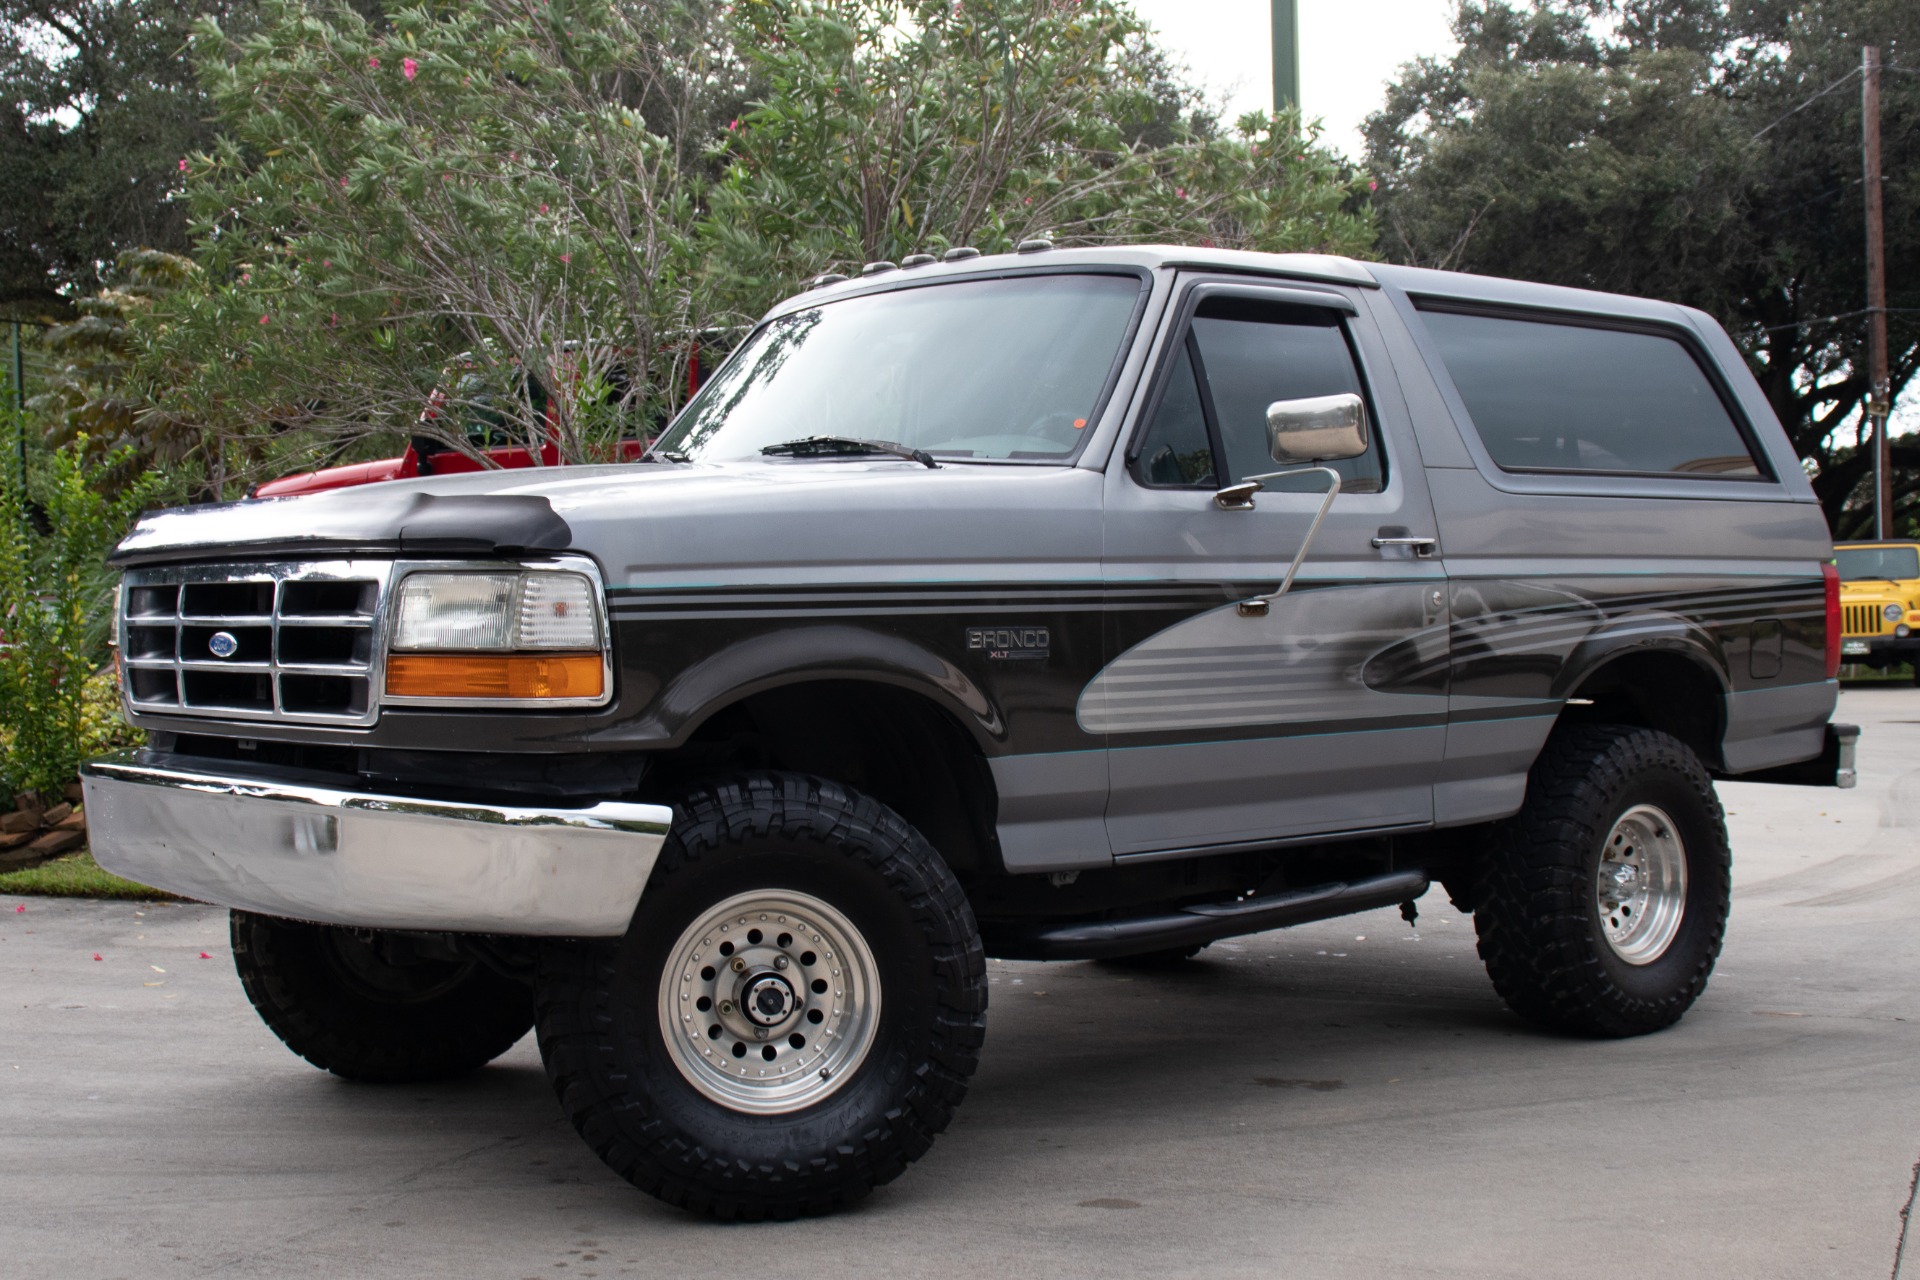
<point x="333" y="319"/>
<point x="543" y="208"/>
<point x="96" y="955"/>
<point x="409" y="68"/>
<point x="1180" y="192"/>
<point x="373" y="64"/>
<point x="343" y="184"/>
<point x="183" y="164"/>
<point x="246" y="277"/>
<point x="264" y="319"/>
<point x="1373" y="186"/>
<point x="205" y="956"/>
<point x="566" y="257"/>
<point x="732" y="125"/>
<point x="21" y="909"/>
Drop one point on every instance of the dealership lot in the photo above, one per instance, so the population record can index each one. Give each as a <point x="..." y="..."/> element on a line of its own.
<point x="1341" y="1099"/>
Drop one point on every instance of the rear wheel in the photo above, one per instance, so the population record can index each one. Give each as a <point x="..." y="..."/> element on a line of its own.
<point x="372" y="1006"/>
<point x="793" y="1015"/>
<point x="1602" y="904"/>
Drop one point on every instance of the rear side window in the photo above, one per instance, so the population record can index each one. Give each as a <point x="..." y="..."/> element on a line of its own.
<point x="1546" y="396"/>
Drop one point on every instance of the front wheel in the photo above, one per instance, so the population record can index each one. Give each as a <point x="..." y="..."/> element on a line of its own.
<point x="372" y="1006"/>
<point x="793" y="1015"/>
<point x="1602" y="904"/>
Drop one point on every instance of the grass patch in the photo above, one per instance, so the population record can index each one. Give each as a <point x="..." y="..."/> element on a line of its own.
<point x="76" y="875"/>
<point x="1854" y="675"/>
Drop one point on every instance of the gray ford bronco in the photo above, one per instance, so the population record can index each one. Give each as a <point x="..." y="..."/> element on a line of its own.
<point x="1063" y="605"/>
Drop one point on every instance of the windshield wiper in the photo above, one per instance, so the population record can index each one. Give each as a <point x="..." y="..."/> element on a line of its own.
<point x="821" y="446"/>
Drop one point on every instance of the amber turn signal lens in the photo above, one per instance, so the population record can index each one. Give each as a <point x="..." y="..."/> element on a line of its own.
<point x="495" y="675"/>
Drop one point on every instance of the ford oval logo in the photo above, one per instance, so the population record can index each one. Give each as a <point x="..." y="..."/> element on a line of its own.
<point x="223" y="644"/>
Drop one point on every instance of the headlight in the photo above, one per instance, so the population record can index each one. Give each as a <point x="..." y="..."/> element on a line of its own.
<point x="497" y="634"/>
<point x="1892" y="613"/>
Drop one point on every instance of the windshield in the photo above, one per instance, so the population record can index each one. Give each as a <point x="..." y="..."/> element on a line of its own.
<point x="1895" y="564"/>
<point x="976" y="369"/>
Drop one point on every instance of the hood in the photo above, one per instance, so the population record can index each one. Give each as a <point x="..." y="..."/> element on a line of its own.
<point x="713" y="521"/>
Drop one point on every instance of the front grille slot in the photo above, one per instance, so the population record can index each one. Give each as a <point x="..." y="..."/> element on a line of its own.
<point x="1861" y="620"/>
<point x="227" y="600"/>
<point x="227" y="691"/>
<point x="279" y="642"/>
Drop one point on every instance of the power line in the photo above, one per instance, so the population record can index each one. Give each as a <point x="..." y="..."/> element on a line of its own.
<point x="1844" y="315"/>
<point x="1804" y="105"/>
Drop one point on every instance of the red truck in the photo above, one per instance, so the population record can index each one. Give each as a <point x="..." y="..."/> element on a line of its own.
<point x="484" y="429"/>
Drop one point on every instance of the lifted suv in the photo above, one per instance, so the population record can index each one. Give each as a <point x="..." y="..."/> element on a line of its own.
<point x="1078" y="605"/>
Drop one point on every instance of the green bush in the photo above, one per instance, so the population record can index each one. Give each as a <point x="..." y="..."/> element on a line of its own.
<point x="56" y="611"/>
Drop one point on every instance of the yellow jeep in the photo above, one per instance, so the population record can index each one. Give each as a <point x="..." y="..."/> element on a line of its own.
<point x="1880" y="603"/>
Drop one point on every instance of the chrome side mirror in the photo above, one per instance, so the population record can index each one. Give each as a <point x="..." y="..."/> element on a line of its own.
<point x="1317" y="429"/>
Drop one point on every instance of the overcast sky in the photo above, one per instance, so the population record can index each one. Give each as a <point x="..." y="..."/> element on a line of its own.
<point x="1348" y="49"/>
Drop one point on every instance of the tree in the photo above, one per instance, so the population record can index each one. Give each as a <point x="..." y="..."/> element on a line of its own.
<point x="88" y="389"/>
<point x="891" y="129"/>
<point x="470" y="198"/>
<point x="489" y="196"/>
<point x="99" y="107"/>
<point x="1685" y="149"/>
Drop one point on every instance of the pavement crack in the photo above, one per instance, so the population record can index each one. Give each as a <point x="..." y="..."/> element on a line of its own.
<point x="1906" y="1220"/>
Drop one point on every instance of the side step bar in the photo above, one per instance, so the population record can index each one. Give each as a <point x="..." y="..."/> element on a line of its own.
<point x="1105" y="939"/>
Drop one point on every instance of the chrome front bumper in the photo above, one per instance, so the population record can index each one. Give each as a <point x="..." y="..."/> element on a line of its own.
<point x="374" y="861"/>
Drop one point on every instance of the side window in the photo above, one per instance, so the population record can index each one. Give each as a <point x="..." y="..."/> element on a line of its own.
<point x="1178" y="453"/>
<point x="1546" y="396"/>
<point x="1239" y="356"/>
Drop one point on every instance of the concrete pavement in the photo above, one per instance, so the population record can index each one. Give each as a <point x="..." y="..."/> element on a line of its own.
<point x="1345" y="1099"/>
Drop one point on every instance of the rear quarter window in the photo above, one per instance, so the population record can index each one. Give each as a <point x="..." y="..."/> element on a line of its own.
<point x="1550" y="396"/>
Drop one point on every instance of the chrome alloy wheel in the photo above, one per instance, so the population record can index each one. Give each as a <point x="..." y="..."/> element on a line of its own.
<point x="1642" y="885"/>
<point x="770" y="1002"/>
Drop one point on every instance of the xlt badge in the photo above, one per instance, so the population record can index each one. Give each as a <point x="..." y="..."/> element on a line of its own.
<point x="1010" y="642"/>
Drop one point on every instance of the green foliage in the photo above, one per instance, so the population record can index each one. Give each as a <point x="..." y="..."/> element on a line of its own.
<point x="894" y="128"/>
<point x="88" y="388"/>
<point x="1680" y="149"/>
<point x="100" y="106"/>
<point x="77" y="876"/>
<point x="56" y="611"/>
<point x="464" y="195"/>
<point x="470" y="187"/>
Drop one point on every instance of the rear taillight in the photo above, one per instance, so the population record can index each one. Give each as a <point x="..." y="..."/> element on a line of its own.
<point x="1832" y="576"/>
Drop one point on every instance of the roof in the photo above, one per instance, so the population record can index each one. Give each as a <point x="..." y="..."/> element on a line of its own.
<point x="1325" y="268"/>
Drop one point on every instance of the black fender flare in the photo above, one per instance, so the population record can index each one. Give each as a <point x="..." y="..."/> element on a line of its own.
<point x="825" y="651"/>
<point x="1641" y="634"/>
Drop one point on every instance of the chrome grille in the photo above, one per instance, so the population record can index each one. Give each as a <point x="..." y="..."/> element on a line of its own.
<point x="289" y="642"/>
<point x="1861" y="620"/>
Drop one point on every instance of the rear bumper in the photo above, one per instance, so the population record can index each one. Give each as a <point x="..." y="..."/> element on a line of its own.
<point x="369" y="860"/>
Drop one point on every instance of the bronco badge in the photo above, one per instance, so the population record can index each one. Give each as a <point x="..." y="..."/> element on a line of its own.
<point x="1010" y="642"/>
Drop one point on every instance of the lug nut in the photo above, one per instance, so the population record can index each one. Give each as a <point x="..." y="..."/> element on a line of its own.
<point x="779" y="962"/>
<point x="726" y="1006"/>
<point x="739" y="965"/>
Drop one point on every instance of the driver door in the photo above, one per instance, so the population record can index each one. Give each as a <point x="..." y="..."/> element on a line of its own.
<point x="1233" y="718"/>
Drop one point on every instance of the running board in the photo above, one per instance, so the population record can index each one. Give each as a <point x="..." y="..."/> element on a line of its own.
<point x="1105" y="939"/>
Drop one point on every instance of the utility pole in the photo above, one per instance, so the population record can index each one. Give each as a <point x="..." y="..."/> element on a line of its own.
<point x="1286" y="55"/>
<point x="1879" y="392"/>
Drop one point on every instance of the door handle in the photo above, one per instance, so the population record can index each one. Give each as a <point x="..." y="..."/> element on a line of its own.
<point x="1422" y="547"/>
